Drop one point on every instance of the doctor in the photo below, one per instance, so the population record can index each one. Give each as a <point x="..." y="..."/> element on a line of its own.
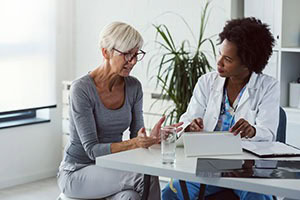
<point x="238" y="97"/>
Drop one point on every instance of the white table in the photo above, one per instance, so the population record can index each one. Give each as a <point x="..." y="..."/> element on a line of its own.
<point x="148" y="161"/>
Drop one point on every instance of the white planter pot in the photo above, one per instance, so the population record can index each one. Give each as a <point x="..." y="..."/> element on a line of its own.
<point x="294" y="95"/>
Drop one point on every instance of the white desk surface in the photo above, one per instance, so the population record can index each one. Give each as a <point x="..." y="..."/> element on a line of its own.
<point x="148" y="161"/>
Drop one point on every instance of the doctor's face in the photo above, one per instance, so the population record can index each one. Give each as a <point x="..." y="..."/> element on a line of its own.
<point x="229" y="63"/>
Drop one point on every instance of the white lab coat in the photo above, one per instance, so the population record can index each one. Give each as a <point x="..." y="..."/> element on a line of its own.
<point x="259" y="104"/>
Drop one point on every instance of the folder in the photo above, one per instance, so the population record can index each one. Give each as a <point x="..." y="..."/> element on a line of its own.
<point x="270" y="149"/>
<point x="211" y="143"/>
<point x="179" y="142"/>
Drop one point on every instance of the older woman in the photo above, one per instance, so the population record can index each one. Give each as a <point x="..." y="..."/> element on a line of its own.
<point x="237" y="98"/>
<point x="103" y="104"/>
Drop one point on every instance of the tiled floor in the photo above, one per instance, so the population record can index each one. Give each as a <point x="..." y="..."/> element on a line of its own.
<point x="46" y="189"/>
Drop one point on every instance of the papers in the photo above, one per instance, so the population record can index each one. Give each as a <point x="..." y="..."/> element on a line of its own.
<point x="270" y="149"/>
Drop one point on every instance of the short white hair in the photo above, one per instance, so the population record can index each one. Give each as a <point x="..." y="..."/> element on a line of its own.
<point x="120" y="36"/>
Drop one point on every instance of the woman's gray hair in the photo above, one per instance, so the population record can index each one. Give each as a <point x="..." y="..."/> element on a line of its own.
<point x="120" y="36"/>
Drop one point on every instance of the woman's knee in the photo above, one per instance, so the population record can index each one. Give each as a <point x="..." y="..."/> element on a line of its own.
<point x="126" y="195"/>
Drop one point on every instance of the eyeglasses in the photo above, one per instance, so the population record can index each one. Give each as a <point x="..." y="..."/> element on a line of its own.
<point x="129" y="56"/>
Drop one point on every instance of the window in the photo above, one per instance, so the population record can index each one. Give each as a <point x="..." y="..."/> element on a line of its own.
<point x="24" y="117"/>
<point x="27" y="57"/>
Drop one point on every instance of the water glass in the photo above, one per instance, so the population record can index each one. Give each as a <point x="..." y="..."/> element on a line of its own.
<point x="168" y="144"/>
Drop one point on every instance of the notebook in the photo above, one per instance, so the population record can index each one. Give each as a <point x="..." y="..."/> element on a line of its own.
<point x="270" y="149"/>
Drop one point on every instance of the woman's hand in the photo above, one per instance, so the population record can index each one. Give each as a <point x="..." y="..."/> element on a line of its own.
<point x="195" y="126"/>
<point x="142" y="140"/>
<point x="156" y="130"/>
<point x="244" y="128"/>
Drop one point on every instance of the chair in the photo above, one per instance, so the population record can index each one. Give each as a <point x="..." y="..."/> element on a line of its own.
<point x="228" y="193"/>
<point x="281" y="131"/>
<point x="64" y="197"/>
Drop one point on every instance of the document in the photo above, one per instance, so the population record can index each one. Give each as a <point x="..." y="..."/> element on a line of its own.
<point x="270" y="149"/>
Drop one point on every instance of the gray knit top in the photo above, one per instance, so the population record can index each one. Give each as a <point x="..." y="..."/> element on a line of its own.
<point x="93" y="127"/>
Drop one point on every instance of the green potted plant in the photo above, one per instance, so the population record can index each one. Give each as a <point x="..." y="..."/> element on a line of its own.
<point x="180" y="66"/>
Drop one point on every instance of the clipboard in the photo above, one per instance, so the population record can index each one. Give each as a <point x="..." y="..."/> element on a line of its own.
<point x="270" y="149"/>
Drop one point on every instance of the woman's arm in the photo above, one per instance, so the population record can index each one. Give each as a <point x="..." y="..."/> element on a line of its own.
<point x="123" y="146"/>
<point x="137" y="121"/>
<point x="82" y="117"/>
<point x="81" y="109"/>
<point x="138" y="136"/>
<point x="141" y="141"/>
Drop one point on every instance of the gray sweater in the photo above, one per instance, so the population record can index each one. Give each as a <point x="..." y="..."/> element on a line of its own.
<point x="93" y="127"/>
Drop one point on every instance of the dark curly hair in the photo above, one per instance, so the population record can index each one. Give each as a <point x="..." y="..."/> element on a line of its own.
<point x="253" y="39"/>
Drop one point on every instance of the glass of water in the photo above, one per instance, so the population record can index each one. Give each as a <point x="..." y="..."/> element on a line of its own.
<point x="168" y="144"/>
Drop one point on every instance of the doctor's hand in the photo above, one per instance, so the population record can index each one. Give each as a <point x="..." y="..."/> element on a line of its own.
<point x="195" y="126"/>
<point x="243" y="127"/>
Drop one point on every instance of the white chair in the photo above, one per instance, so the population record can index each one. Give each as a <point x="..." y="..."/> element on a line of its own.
<point x="64" y="197"/>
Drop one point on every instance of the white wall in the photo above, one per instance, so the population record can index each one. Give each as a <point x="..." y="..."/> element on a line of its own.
<point x="91" y="16"/>
<point x="30" y="152"/>
<point x="33" y="152"/>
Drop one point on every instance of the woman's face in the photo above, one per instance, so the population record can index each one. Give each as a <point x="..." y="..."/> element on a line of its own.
<point x="120" y="62"/>
<point x="229" y="63"/>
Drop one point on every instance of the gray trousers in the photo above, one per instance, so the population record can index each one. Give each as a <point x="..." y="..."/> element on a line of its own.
<point x="94" y="182"/>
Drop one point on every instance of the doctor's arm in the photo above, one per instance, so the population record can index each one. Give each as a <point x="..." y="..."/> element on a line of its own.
<point x="193" y="117"/>
<point x="267" y="117"/>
